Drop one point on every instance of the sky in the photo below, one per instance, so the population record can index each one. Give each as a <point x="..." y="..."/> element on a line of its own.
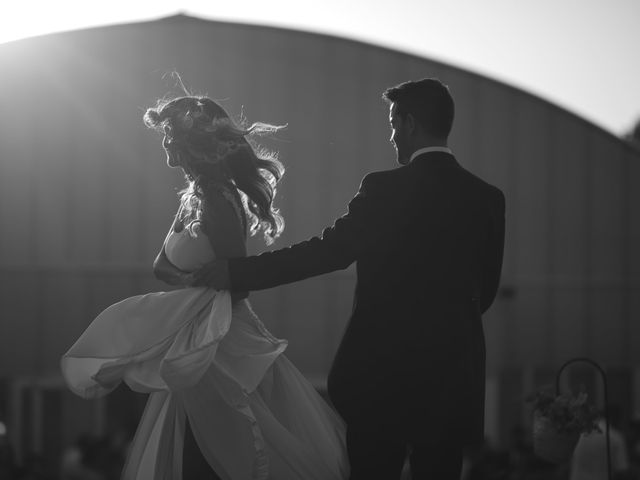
<point x="583" y="55"/>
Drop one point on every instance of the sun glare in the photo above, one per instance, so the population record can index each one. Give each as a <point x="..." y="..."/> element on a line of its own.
<point x="28" y="19"/>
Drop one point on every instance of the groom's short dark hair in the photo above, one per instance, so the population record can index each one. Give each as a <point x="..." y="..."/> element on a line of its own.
<point x="428" y="100"/>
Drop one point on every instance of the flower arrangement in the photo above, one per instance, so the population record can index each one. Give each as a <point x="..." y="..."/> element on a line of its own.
<point x="568" y="413"/>
<point x="558" y="422"/>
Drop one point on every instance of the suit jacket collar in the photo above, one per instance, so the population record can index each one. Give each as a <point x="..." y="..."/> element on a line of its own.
<point x="434" y="158"/>
<point x="434" y="148"/>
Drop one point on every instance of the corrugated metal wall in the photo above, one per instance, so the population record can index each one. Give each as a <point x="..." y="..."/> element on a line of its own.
<point x="85" y="196"/>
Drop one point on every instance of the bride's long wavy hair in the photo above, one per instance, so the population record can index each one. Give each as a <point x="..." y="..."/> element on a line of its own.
<point x="212" y="148"/>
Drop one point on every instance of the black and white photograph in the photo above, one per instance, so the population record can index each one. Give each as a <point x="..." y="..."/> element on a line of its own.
<point x="338" y="240"/>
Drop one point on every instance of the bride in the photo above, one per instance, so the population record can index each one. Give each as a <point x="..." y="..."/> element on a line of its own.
<point x="213" y="372"/>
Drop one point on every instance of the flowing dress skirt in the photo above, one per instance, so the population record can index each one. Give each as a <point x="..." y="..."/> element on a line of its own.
<point x="252" y="413"/>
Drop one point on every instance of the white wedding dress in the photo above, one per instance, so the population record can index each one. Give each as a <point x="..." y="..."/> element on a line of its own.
<point x="252" y="413"/>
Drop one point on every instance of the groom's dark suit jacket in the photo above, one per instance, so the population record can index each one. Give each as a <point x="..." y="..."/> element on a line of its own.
<point x="427" y="239"/>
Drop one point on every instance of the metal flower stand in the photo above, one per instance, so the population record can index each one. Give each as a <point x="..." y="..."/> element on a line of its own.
<point x="606" y="401"/>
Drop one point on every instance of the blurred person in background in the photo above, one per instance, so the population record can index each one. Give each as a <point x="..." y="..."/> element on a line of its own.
<point x="7" y="458"/>
<point x="589" y="460"/>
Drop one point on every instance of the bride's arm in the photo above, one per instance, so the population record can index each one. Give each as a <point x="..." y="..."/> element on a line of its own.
<point x="224" y="224"/>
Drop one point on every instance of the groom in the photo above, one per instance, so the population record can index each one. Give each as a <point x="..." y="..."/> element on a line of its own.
<point x="427" y="239"/>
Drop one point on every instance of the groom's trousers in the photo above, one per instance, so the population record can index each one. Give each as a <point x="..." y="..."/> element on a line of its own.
<point x="379" y="452"/>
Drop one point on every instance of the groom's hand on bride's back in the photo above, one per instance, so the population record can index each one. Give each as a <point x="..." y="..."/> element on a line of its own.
<point x="214" y="274"/>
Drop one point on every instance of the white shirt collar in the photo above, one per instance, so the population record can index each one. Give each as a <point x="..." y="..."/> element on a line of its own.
<point x="420" y="151"/>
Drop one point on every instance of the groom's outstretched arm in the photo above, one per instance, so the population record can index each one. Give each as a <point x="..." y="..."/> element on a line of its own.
<point x="337" y="247"/>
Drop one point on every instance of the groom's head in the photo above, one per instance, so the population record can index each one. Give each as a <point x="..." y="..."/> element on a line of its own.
<point x="421" y="114"/>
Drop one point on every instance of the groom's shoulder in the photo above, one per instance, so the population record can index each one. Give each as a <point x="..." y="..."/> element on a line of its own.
<point x="381" y="182"/>
<point x="480" y="183"/>
<point x="377" y="182"/>
<point x="482" y="189"/>
<point x="382" y="176"/>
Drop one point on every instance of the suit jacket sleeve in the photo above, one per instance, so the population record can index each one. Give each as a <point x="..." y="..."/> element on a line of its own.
<point x="337" y="247"/>
<point x="495" y="251"/>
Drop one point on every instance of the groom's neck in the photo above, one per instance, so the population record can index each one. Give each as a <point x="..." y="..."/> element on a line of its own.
<point x="423" y="139"/>
<point x="429" y="142"/>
